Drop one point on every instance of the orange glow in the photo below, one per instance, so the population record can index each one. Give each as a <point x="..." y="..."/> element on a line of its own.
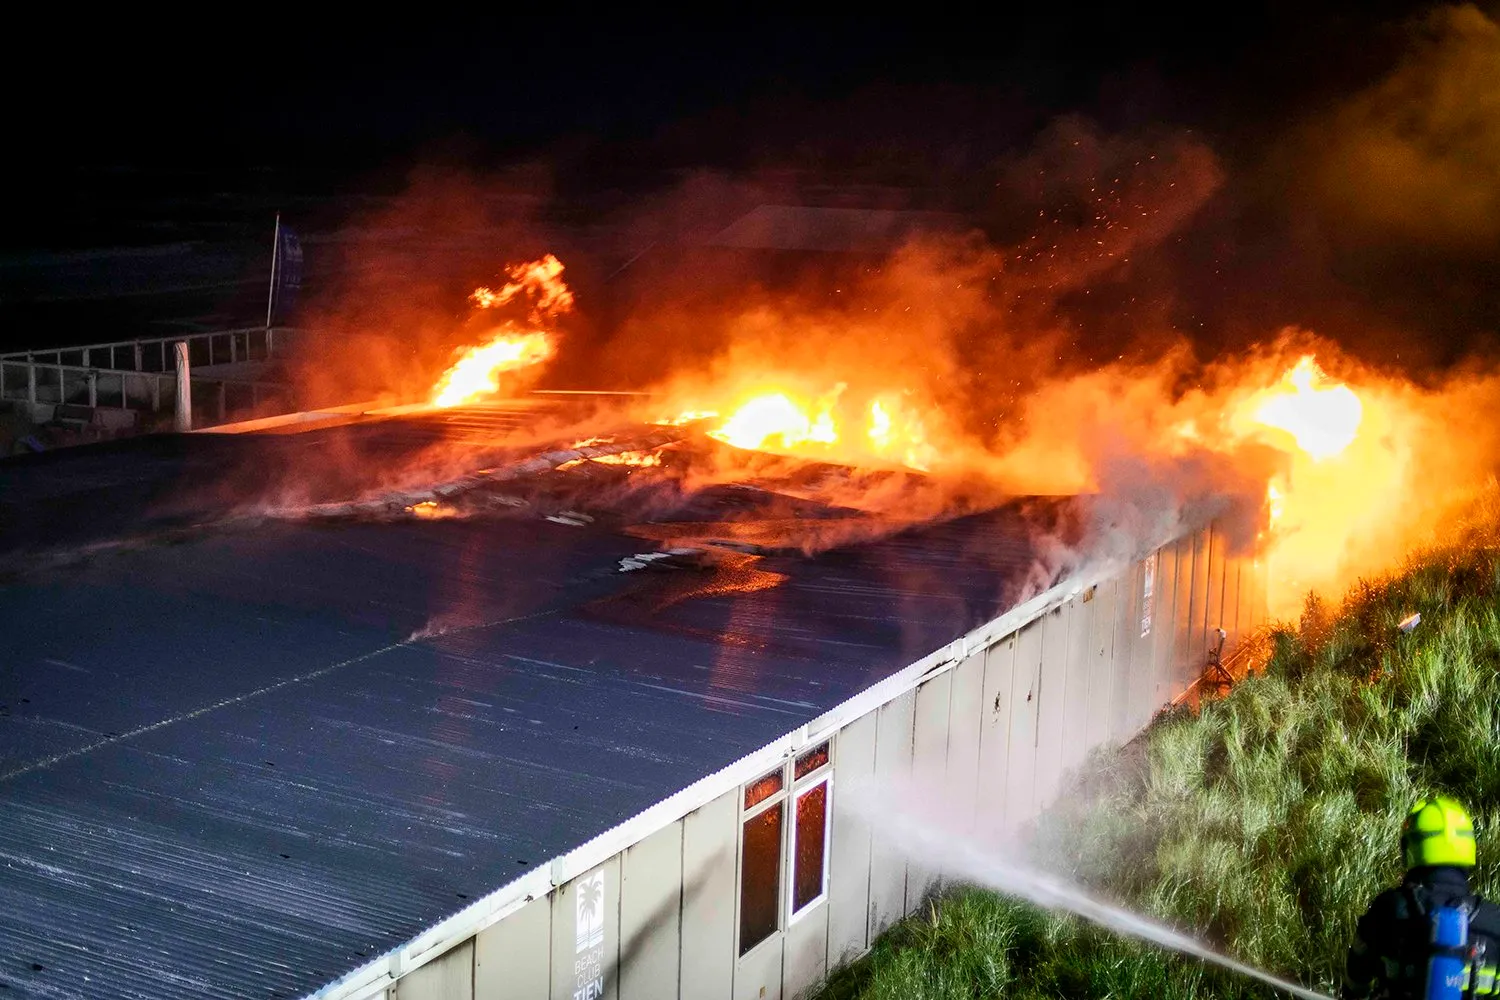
<point x="431" y="510"/>
<point x="637" y="459"/>
<point x="825" y="427"/>
<point x="476" y="374"/>
<point x="773" y="420"/>
<point x="686" y="417"/>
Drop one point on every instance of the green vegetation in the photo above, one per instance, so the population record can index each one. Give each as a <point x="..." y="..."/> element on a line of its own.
<point x="1263" y="823"/>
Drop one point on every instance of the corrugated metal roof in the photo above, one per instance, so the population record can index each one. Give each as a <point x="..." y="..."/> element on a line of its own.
<point x="243" y="763"/>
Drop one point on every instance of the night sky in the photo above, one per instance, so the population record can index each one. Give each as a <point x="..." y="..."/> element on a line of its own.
<point x="130" y="130"/>
<point x="363" y="99"/>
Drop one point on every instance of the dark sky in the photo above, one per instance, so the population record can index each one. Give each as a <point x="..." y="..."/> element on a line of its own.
<point x="126" y="90"/>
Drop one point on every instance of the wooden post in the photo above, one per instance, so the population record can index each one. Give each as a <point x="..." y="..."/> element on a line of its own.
<point x="30" y="379"/>
<point x="184" y="417"/>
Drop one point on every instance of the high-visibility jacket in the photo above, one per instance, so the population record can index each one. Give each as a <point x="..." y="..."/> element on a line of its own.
<point x="1391" y="947"/>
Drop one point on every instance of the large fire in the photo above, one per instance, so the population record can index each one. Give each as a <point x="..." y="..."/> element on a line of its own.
<point x="1342" y="474"/>
<point x="1337" y="462"/>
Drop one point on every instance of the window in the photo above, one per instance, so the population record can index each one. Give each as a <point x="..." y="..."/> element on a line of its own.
<point x="784" y="834"/>
<point x="811" y="839"/>
<point x="810" y="829"/>
<point x="760" y="876"/>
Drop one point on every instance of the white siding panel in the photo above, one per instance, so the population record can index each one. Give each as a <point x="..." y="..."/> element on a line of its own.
<point x="966" y="711"/>
<point x="1076" y="693"/>
<point x="893" y="749"/>
<point x="757" y="976"/>
<point x="1052" y="697"/>
<point x="512" y="959"/>
<point x="1101" y="664"/>
<point x="806" y="961"/>
<point x="994" y="736"/>
<point x="450" y="977"/>
<point x="650" y="909"/>
<point x="1129" y="609"/>
<point x="1020" y="768"/>
<point x="710" y="844"/>
<point x="929" y="768"/>
<point x="1173" y="571"/>
<point x="849" y="855"/>
<point x="1138" y="675"/>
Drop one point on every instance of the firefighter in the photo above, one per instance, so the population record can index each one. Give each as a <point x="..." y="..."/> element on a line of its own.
<point x="1429" y="937"/>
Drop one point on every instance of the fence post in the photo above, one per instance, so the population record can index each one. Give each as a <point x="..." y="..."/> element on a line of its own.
<point x="184" y="415"/>
<point x="30" y="378"/>
<point x="93" y="378"/>
<point x="137" y="355"/>
<point x="234" y="345"/>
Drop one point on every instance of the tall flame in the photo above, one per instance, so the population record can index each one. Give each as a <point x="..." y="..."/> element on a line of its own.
<point x="478" y="370"/>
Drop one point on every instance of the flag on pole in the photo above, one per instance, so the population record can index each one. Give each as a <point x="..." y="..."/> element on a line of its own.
<point x="286" y="274"/>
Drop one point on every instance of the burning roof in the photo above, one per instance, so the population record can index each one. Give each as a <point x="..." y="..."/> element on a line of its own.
<point x="320" y="724"/>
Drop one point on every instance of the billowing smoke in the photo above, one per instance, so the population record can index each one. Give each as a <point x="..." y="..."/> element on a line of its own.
<point x="1101" y="314"/>
<point x="1416" y="157"/>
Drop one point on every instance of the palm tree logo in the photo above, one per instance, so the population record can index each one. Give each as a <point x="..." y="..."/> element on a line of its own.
<point x="591" y="911"/>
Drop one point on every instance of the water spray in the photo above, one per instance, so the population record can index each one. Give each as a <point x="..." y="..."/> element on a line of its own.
<point x="975" y="864"/>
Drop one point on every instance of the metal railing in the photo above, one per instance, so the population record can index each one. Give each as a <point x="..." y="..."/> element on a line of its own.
<point x="154" y="354"/>
<point x="63" y="385"/>
<point x="141" y="374"/>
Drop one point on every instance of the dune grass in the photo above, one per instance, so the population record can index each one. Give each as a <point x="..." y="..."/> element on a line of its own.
<point x="1262" y="823"/>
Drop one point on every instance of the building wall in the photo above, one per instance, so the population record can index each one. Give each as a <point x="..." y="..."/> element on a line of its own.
<point x="997" y="733"/>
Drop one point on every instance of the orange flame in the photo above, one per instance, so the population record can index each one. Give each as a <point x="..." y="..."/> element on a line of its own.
<point x="823" y="427"/>
<point x="476" y="374"/>
<point x="539" y="279"/>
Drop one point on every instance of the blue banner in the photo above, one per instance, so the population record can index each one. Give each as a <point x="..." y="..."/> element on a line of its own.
<point x="288" y="278"/>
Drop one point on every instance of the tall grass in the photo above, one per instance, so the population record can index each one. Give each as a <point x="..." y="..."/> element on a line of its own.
<point x="1262" y="823"/>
